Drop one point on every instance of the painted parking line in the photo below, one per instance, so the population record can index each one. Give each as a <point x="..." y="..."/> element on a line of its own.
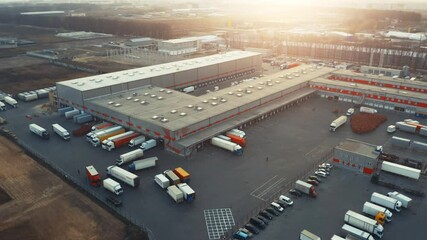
<point x="268" y="188"/>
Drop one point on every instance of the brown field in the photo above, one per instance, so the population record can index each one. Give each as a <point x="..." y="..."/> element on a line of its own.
<point x="35" y="204"/>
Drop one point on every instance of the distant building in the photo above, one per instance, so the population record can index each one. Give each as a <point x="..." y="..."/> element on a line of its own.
<point x="43" y="13"/>
<point x="405" y="35"/>
<point x="187" y="45"/>
<point x="8" y="42"/>
<point x="141" y="42"/>
<point x="378" y="70"/>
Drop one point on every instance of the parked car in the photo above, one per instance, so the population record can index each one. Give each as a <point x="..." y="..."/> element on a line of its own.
<point x="282" y="204"/>
<point x="113" y="200"/>
<point x="320" y="173"/>
<point x="315" y="178"/>
<point x="266" y="215"/>
<point x="240" y="235"/>
<point x="295" y="192"/>
<point x="263" y="219"/>
<point x="251" y="228"/>
<point x="286" y="200"/>
<point x="277" y="207"/>
<point x="246" y="231"/>
<point x="313" y="182"/>
<point x="328" y="166"/>
<point x="350" y="112"/>
<point x="272" y="211"/>
<point x="324" y="170"/>
<point x="257" y="223"/>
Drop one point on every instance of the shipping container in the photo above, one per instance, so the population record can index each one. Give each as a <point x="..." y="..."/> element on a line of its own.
<point x="143" y="164"/>
<point x="183" y="175"/>
<point x="176" y="194"/>
<point x="401" y="170"/>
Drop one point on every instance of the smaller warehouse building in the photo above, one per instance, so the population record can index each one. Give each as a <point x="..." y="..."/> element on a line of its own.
<point x="356" y="156"/>
<point x="178" y="46"/>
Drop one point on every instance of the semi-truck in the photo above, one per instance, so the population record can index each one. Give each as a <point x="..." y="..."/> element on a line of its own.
<point x="402" y="126"/>
<point x="224" y="137"/>
<point x="93" y="176"/>
<point x="143" y="164"/>
<point x="236" y="133"/>
<point x="173" y="178"/>
<point x="123" y="175"/>
<point x="230" y="146"/>
<point x="62" y="132"/>
<point x="386" y="201"/>
<point x="176" y="194"/>
<point x="306" y="235"/>
<point x="401" y="170"/>
<point x="337" y="123"/>
<point x="406" y="201"/>
<point x="189" y="193"/>
<point x="98" y="138"/>
<point x="149" y="144"/>
<point x="364" y="223"/>
<point x="101" y="126"/>
<point x="183" y="175"/>
<point x="161" y="180"/>
<point x="136" y="141"/>
<point x="236" y="139"/>
<point x="357" y="233"/>
<point x="104" y="144"/>
<point x="368" y="110"/>
<point x="119" y="141"/>
<point x="112" y="186"/>
<point x="305" y="188"/>
<point x="130" y="156"/>
<point x="39" y="131"/>
<point x="99" y="131"/>
<point x="12" y="102"/>
<point x="380" y="213"/>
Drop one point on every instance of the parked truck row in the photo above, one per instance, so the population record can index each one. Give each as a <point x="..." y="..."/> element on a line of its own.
<point x="176" y="184"/>
<point x="233" y="140"/>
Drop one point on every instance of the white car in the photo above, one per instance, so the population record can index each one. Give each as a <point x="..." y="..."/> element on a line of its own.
<point x="277" y="207"/>
<point x="320" y="173"/>
<point x="350" y="111"/>
<point x="391" y="129"/>
<point x="286" y="200"/>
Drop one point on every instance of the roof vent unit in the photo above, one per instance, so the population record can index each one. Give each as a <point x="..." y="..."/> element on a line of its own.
<point x="125" y="73"/>
<point x="146" y="94"/>
<point x="230" y="93"/>
<point x="98" y="80"/>
<point x="250" y="86"/>
<point x="190" y="106"/>
<point x="161" y="90"/>
<point x="183" y="114"/>
<point x="111" y="102"/>
<point x="117" y="105"/>
<point x="136" y="100"/>
<point x="134" y="94"/>
<point x="173" y="111"/>
<point x="205" y="101"/>
<point x="277" y="81"/>
<point x="128" y="98"/>
<point x="160" y="98"/>
<point x="116" y="77"/>
<point x="130" y="74"/>
<point x="168" y="91"/>
<point x="144" y="102"/>
<point x="240" y="90"/>
<point x="404" y="92"/>
<point x="81" y="84"/>
<point x="239" y="94"/>
<point x="199" y="108"/>
<point x="223" y="100"/>
<point x="74" y="82"/>
<point x="269" y="84"/>
<point x="109" y="76"/>
<point x="214" y="98"/>
<point x="164" y="120"/>
<point x="92" y="79"/>
<point x="248" y="91"/>
<point x="214" y="103"/>
<point x="153" y="95"/>
<point x="259" y="88"/>
<point x="296" y="75"/>
<point x="261" y="83"/>
<point x="155" y="117"/>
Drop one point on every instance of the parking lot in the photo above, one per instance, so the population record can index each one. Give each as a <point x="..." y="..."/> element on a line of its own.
<point x="278" y="150"/>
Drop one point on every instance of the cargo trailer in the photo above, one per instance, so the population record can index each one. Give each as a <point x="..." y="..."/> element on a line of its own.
<point x="143" y="164"/>
<point x="189" y="193"/>
<point x="112" y="186"/>
<point x="364" y="223"/>
<point x="39" y="131"/>
<point x="175" y="194"/>
<point x="130" y="156"/>
<point x="93" y="176"/>
<point x="173" y="178"/>
<point x="183" y="175"/>
<point x="123" y="175"/>
<point x="400" y="170"/>
<point x="161" y="180"/>
<point x="230" y="146"/>
<point x="62" y="132"/>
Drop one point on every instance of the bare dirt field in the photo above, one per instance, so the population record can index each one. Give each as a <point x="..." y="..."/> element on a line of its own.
<point x="36" y="204"/>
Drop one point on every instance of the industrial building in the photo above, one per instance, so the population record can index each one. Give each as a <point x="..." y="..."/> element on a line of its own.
<point x="356" y="156"/>
<point x="178" y="46"/>
<point x="146" y="100"/>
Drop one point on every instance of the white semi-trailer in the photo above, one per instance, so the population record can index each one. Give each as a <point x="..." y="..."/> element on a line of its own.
<point x="357" y="233"/>
<point x="136" y="141"/>
<point x="161" y="180"/>
<point x="230" y="146"/>
<point x="123" y="175"/>
<point x="385" y="201"/>
<point x="62" y="132"/>
<point x="406" y="201"/>
<point x="12" y="102"/>
<point x="130" y="156"/>
<point x="143" y="164"/>
<point x="373" y="210"/>
<point x="337" y="123"/>
<point x="39" y="131"/>
<point x="401" y="170"/>
<point x="364" y="223"/>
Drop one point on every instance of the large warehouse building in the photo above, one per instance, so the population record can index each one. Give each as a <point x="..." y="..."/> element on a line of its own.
<point x="147" y="100"/>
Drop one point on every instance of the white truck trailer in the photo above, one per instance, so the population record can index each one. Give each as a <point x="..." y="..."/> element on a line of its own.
<point x="130" y="156"/>
<point x="149" y="144"/>
<point x="161" y="180"/>
<point x="189" y="193"/>
<point x="306" y="235"/>
<point x="357" y="233"/>
<point x="62" y="132"/>
<point x="368" y="110"/>
<point x="112" y="186"/>
<point x="230" y="146"/>
<point x="143" y="164"/>
<point x="136" y="141"/>
<point x="337" y="123"/>
<point x="123" y="175"/>
<point x="364" y="223"/>
<point x="39" y="131"/>
<point x="401" y="170"/>
<point x="107" y="145"/>
<point x="175" y="194"/>
<point x="406" y="201"/>
<point x="385" y="201"/>
<point x="373" y="210"/>
<point x="12" y="102"/>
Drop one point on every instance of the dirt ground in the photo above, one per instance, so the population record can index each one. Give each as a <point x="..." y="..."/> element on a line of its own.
<point x="36" y="204"/>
